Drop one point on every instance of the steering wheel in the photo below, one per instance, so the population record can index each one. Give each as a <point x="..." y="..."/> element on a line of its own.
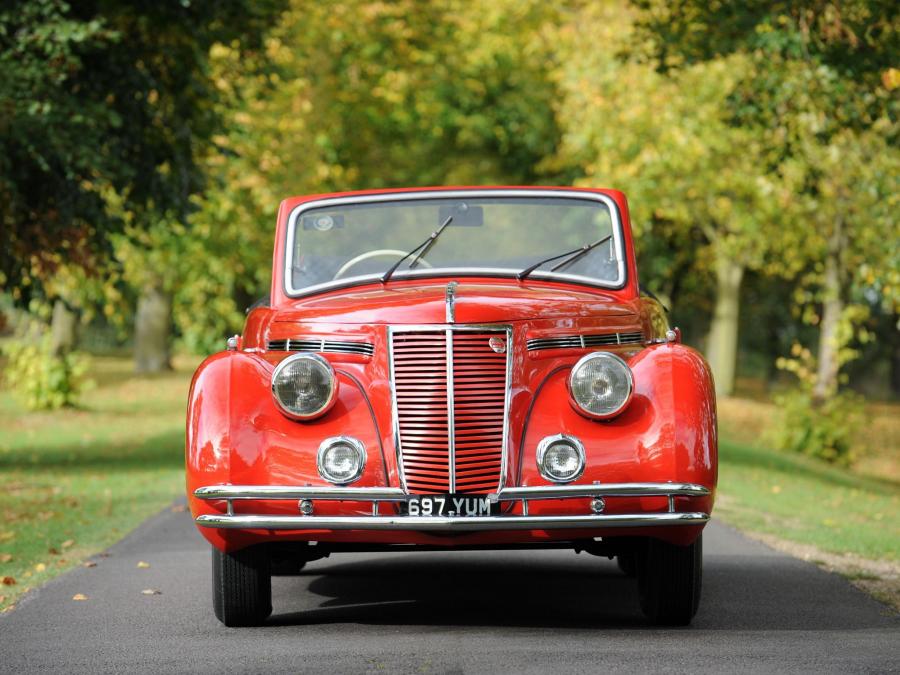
<point x="376" y="253"/>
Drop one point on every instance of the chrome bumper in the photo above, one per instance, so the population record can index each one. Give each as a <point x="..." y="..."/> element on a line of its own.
<point x="230" y="520"/>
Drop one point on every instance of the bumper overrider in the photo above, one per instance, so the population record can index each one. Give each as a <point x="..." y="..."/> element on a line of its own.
<point x="231" y="520"/>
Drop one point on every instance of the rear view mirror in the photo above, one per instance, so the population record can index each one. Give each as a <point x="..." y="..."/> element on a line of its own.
<point x="463" y="214"/>
<point x="322" y="222"/>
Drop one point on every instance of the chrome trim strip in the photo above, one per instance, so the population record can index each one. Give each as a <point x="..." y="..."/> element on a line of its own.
<point x="449" y="524"/>
<point x="395" y="414"/>
<point x="607" y="490"/>
<point x="451" y="412"/>
<point x="615" y="218"/>
<point x="292" y="492"/>
<point x="387" y="494"/>
<point x="507" y="444"/>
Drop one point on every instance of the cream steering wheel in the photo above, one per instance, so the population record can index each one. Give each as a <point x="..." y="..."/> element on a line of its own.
<point x="379" y="252"/>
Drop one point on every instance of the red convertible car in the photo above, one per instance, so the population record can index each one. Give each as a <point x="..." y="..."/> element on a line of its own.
<point x="447" y="368"/>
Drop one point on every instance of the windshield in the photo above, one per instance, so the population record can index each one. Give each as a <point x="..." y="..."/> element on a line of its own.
<point x="349" y="240"/>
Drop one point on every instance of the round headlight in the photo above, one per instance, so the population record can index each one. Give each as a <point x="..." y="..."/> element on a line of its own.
<point x="304" y="386"/>
<point x="560" y="458"/>
<point x="600" y="385"/>
<point x="341" y="459"/>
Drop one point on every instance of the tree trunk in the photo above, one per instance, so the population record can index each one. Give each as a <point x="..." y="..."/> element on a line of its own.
<point x="895" y="361"/>
<point x="832" y="308"/>
<point x="63" y="325"/>
<point x="152" y="329"/>
<point x="723" y="333"/>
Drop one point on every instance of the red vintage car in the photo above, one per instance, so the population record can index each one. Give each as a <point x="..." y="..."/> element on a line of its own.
<point x="448" y="368"/>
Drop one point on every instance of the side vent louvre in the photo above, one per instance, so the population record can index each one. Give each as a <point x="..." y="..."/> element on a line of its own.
<point x="585" y="341"/>
<point x="317" y="345"/>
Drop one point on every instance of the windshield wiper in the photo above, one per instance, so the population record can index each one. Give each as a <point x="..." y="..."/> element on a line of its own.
<point x="575" y="254"/>
<point x="425" y="246"/>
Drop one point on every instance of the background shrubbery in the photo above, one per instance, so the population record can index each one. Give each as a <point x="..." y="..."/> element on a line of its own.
<point x="41" y="379"/>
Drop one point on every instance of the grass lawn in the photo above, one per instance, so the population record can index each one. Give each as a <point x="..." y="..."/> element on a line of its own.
<point x="75" y="481"/>
<point x="803" y="500"/>
<point x="806" y="501"/>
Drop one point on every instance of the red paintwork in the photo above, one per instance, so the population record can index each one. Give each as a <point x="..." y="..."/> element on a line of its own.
<point x="236" y="434"/>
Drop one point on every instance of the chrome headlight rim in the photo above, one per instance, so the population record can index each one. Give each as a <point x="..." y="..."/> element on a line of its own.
<point x="619" y="361"/>
<point x="545" y="443"/>
<point x="332" y="393"/>
<point x="356" y="444"/>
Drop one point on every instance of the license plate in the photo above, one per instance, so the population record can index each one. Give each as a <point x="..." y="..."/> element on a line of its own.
<point x="451" y="505"/>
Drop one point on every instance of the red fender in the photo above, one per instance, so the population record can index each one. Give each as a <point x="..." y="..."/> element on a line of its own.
<point x="237" y="435"/>
<point x="667" y="433"/>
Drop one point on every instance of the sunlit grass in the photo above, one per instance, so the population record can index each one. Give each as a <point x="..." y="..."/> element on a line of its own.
<point x="75" y="481"/>
<point x="804" y="500"/>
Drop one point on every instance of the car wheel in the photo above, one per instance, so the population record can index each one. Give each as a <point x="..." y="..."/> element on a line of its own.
<point x="242" y="586"/>
<point x="627" y="563"/>
<point x="669" y="581"/>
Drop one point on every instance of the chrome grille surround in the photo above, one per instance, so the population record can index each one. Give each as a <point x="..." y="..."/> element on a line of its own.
<point x="446" y="332"/>
<point x="321" y="345"/>
<point x="585" y="341"/>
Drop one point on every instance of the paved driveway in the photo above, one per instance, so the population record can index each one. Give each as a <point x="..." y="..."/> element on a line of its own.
<point x="516" y="612"/>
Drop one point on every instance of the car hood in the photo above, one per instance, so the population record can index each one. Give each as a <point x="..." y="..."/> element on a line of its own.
<point x="426" y="303"/>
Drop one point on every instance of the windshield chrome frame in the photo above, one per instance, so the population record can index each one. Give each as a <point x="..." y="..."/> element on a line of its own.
<point x="502" y="272"/>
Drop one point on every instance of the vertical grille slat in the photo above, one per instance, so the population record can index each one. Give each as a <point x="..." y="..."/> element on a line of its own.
<point x="450" y="396"/>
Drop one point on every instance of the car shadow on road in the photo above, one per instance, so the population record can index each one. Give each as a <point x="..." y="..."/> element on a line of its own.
<point x="511" y="591"/>
<point x="563" y="591"/>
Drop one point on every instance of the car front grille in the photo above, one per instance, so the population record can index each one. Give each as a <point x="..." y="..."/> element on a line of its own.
<point x="450" y="393"/>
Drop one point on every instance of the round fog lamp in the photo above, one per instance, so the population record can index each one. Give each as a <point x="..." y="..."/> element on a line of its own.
<point x="304" y="386"/>
<point x="560" y="459"/>
<point x="341" y="460"/>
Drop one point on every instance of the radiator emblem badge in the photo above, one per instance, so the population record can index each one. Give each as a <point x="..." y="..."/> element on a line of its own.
<point x="498" y="344"/>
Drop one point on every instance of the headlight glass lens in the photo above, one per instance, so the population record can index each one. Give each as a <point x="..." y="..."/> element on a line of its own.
<point x="560" y="458"/>
<point x="601" y="385"/>
<point x="341" y="460"/>
<point x="304" y="385"/>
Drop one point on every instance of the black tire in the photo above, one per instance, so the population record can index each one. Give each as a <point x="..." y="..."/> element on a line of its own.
<point x="669" y="581"/>
<point x="627" y="563"/>
<point x="242" y="586"/>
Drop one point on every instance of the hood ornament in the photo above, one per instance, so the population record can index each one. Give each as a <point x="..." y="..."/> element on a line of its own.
<point x="450" y="300"/>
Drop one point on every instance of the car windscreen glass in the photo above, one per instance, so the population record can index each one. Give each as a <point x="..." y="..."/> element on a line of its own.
<point x="497" y="235"/>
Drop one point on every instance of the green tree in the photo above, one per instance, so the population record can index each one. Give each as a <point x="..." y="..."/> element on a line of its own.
<point x="696" y="181"/>
<point x="362" y="94"/>
<point x="102" y="98"/>
<point x="821" y="96"/>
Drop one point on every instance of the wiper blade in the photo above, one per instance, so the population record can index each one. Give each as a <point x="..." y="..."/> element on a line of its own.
<point x="575" y="253"/>
<point x="425" y="246"/>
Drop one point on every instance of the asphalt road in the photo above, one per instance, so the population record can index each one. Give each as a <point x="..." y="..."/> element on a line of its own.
<point x="515" y="612"/>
